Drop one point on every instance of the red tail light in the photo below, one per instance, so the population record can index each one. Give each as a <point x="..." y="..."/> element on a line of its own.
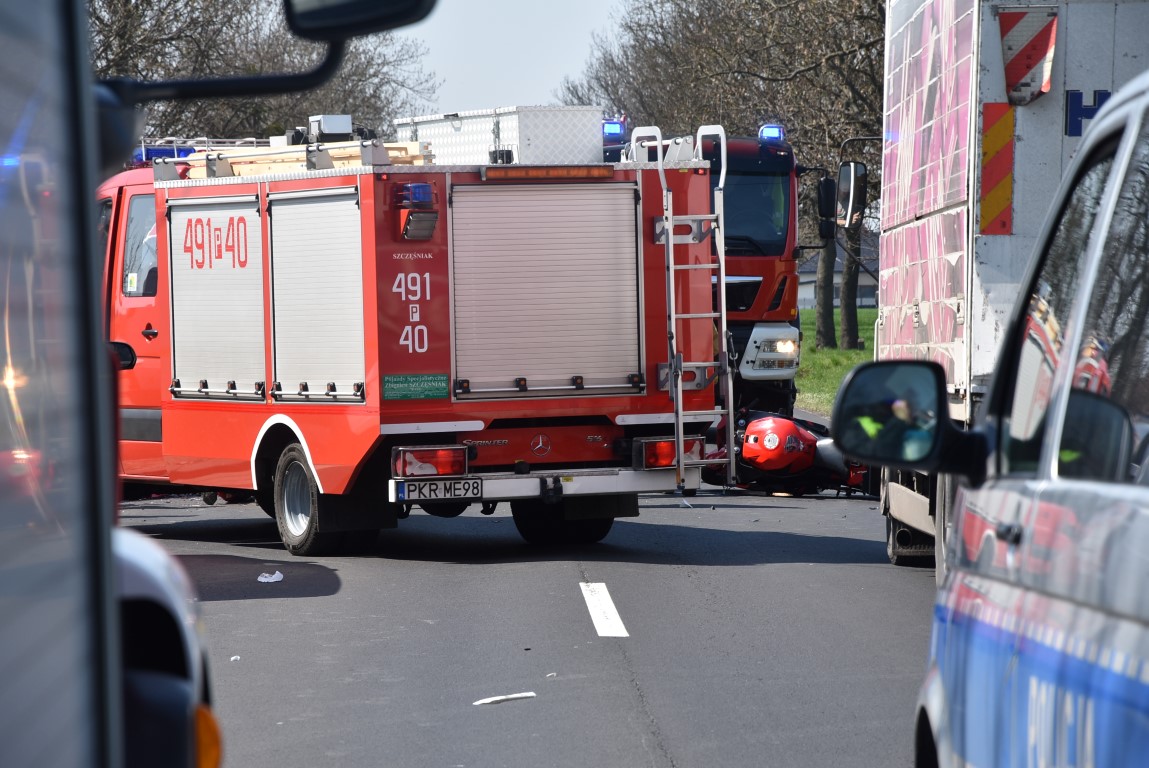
<point x="436" y="460"/>
<point x="655" y="454"/>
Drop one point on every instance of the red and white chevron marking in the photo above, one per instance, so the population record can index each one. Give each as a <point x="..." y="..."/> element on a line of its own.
<point x="1027" y="42"/>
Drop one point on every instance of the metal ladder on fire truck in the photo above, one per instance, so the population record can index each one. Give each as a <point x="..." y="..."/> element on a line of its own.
<point x="666" y="231"/>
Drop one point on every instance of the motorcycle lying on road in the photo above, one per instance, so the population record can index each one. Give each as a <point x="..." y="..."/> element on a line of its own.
<point x="775" y="454"/>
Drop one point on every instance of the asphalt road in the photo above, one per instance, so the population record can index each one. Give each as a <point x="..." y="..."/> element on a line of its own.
<point x="719" y="630"/>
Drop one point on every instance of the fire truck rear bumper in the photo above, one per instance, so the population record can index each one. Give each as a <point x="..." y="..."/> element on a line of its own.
<point x="579" y="482"/>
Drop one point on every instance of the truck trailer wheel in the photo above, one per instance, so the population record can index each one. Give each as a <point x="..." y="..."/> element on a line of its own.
<point x="543" y="524"/>
<point x="298" y="507"/>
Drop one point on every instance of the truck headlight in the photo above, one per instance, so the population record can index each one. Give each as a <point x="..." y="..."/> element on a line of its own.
<point x="786" y="347"/>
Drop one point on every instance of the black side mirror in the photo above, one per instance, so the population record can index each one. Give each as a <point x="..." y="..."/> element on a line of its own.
<point x="124" y="355"/>
<point x="1096" y="439"/>
<point x="887" y="413"/>
<point x="826" y="198"/>
<point x="895" y="413"/>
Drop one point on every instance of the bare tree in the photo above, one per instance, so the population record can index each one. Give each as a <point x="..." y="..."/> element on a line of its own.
<point x="380" y="78"/>
<point x="824" y="337"/>
<point x="814" y="66"/>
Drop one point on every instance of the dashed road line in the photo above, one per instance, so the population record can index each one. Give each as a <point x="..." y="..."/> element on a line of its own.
<point x="605" y="616"/>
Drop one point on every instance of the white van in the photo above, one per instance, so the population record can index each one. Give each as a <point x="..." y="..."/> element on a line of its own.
<point x="1040" y="650"/>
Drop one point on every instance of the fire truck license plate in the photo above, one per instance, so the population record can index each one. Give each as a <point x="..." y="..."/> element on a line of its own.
<point x="440" y="490"/>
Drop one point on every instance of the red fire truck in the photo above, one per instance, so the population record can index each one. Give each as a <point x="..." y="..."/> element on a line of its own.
<point x="761" y="237"/>
<point x="761" y="221"/>
<point x="346" y="330"/>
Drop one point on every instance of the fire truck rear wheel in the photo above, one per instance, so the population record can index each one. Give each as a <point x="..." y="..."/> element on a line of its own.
<point x="588" y="531"/>
<point x="543" y="524"/>
<point x="265" y="497"/>
<point x="297" y="506"/>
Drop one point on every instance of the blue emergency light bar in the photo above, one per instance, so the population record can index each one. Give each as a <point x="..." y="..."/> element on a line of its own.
<point x="770" y="133"/>
<point x="613" y="128"/>
<point x="418" y="195"/>
<point x="147" y="153"/>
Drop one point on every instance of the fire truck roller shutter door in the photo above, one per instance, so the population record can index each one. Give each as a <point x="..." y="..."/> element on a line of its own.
<point x="317" y="286"/>
<point x="546" y="286"/>
<point x="217" y="293"/>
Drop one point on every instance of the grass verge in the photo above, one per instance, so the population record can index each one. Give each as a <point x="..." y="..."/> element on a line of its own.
<point x="821" y="371"/>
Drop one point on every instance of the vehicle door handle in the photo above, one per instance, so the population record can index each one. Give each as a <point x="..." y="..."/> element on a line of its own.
<point x="1010" y="533"/>
<point x="150" y="333"/>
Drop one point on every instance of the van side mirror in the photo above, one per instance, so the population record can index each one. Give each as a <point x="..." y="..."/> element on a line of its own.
<point x="333" y="20"/>
<point x="852" y="183"/>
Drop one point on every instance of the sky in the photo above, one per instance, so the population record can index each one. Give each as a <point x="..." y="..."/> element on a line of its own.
<point x="507" y="53"/>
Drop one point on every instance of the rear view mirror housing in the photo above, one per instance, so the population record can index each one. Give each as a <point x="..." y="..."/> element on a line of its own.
<point x="894" y="413"/>
<point x="335" y="20"/>
<point x="330" y="21"/>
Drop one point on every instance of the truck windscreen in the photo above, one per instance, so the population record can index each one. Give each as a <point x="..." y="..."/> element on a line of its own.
<point x="757" y="212"/>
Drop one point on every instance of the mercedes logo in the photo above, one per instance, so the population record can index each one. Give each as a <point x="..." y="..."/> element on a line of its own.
<point x="540" y="445"/>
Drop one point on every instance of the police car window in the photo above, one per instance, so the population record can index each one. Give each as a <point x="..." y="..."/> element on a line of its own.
<point x="140" y="248"/>
<point x="1037" y="348"/>
<point x="1111" y="370"/>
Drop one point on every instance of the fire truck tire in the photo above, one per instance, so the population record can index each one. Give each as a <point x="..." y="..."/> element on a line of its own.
<point x="265" y="497"/>
<point x="588" y="531"/>
<point x="447" y="509"/>
<point x="542" y="524"/>
<point x="298" y="506"/>
<point x="536" y="522"/>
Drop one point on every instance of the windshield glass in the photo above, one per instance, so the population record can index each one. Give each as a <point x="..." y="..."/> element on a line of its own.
<point x="757" y="211"/>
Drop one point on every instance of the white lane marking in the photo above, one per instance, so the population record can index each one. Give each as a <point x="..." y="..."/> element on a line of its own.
<point x="602" y="611"/>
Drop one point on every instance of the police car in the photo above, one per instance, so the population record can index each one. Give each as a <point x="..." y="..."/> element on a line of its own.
<point x="1040" y="647"/>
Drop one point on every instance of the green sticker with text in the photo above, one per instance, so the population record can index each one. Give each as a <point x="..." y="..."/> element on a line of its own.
<point x="417" y="386"/>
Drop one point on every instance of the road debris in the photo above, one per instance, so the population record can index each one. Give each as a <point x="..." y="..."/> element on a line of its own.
<point x="508" y="697"/>
<point x="267" y="578"/>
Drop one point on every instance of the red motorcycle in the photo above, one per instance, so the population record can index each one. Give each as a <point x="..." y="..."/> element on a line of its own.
<point x="779" y="455"/>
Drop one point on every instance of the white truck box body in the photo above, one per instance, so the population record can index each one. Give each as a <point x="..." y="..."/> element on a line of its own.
<point x="946" y="288"/>
<point x="535" y="135"/>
